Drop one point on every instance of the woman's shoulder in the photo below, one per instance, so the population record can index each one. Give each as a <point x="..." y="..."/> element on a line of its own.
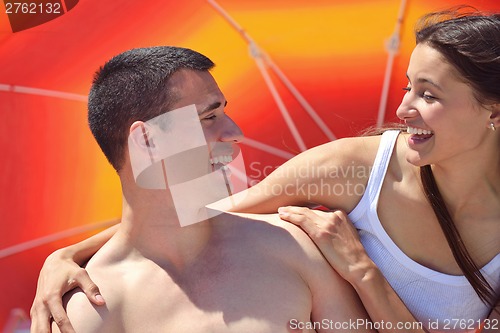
<point x="349" y="151"/>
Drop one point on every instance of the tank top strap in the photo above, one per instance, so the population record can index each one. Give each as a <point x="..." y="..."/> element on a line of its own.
<point x="377" y="173"/>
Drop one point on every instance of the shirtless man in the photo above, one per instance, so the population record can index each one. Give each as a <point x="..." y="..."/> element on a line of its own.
<point x="229" y="273"/>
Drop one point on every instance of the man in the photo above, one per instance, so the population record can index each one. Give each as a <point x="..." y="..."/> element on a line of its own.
<point x="228" y="273"/>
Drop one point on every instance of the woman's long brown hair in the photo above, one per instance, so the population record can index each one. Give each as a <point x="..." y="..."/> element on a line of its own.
<point x="462" y="256"/>
<point x="468" y="40"/>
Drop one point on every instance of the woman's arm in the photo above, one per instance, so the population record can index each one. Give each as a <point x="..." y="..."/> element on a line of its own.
<point x="492" y="324"/>
<point x="61" y="273"/>
<point x="329" y="175"/>
<point x="382" y="303"/>
<point x="339" y="242"/>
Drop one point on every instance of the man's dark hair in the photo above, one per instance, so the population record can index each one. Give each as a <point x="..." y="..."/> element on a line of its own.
<point x="134" y="86"/>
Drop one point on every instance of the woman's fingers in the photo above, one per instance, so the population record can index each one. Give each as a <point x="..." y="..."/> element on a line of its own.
<point x="319" y="225"/>
<point x="58" y="276"/>
<point x="46" y="309"/>
<point x="83" y="280"/>
<point x="304" y="218"/>
<point x="295" y="215"/>
<point x="59" y="315"/>
<point x="40" y="318"/>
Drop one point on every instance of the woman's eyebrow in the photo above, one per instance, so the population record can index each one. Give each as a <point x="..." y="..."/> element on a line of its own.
<point x="426" y="80"/>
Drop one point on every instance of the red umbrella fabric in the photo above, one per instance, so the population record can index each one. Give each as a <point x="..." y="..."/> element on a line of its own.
<point x="55" y="185"/>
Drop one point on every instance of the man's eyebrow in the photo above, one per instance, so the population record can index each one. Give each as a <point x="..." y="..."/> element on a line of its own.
<point x="212" y="107"/>
<point x="424" y="80"/>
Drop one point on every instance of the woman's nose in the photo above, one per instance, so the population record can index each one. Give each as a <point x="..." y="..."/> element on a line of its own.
<point x="406" y="109"/>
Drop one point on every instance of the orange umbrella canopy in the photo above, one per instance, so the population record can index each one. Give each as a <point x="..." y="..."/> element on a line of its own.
<point x="54" y="178"/>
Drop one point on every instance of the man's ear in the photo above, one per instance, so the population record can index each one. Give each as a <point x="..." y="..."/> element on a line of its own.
<point x="141" y="135"/>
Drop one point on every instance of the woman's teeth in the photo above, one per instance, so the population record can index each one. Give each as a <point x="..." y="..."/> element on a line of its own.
<point x="413" y="130"/>
<point x="224" y="159"/>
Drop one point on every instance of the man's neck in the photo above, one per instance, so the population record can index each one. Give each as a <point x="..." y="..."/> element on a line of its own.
<point x="150" y="225"/>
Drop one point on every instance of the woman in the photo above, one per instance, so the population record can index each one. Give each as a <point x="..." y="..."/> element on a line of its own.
<point x="426" y="203"/>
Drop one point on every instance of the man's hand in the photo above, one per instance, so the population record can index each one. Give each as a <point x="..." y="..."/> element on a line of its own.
<point x="59" y="275"/>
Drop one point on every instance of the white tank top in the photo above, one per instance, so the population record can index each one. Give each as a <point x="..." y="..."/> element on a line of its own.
<point x="441" y="302"/>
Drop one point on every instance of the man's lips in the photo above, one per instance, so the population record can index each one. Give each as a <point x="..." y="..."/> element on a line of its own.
<point x="221" y="159"/>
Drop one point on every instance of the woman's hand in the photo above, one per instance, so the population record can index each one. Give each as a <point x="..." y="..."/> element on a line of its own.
<point x="339" y="242"/>
<point x="336" y="238"/>
<point x="59" y="275"/>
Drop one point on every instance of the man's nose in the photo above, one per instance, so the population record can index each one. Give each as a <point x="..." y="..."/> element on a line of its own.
<point x="231" y="132"/>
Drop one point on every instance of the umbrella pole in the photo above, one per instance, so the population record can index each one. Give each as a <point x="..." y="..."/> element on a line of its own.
<point x="392" y="48"/>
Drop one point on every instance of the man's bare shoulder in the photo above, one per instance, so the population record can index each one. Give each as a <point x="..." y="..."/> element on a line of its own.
<point x="332" y="298"/>
<point x="86" y="317"/>
<point x="271" y="236"/>
<point x="112" y="268"/>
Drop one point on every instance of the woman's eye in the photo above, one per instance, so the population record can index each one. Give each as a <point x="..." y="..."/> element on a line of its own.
<point x="210" y="117"/>
<point x="428" y="97"/>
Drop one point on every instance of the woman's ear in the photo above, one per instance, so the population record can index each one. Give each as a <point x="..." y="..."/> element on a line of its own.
<point x="494" y="121"/>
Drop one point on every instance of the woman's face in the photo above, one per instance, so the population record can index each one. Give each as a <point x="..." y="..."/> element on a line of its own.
<point x="445" y="121"/>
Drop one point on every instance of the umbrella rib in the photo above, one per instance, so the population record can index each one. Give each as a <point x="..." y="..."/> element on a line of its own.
<point x="258" y="54"/>
<point x="279" y="102"/>
<point x="267" y="148"/>
<point x="21" y="247"/>
<point x="302" y="101"/>
<point x="43" y="92"/>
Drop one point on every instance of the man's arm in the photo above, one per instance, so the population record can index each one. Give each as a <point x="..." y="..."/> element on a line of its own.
<point x="61" y="273"/>
<point x="335" y="305"/>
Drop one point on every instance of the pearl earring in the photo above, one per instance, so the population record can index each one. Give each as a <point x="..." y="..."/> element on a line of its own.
<point x="492" y="127"/>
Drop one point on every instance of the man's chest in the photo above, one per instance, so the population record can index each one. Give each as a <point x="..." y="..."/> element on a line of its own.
<point x="220" y="295"/>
